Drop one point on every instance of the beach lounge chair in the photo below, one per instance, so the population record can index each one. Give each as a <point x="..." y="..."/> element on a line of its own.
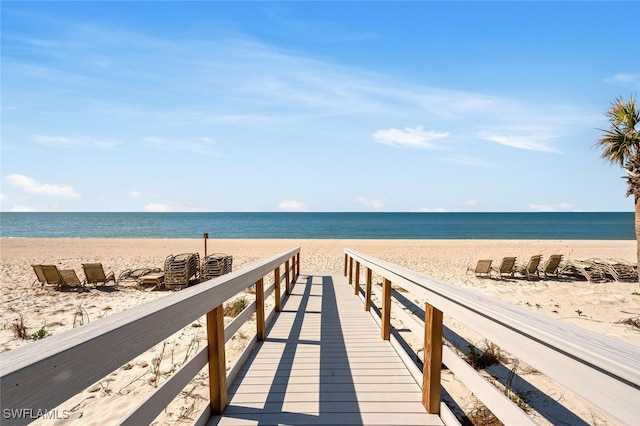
<point x="582" y="268"/>
<point x="616" y="269"/>
<point x="507" y="267"/>
<point x="40" y="278"/>
<point x="134" y="274"/>
<point x="180" y="269"/>
<point x="482" y="268"/>
<point x="531" y="268"/>
<point x="215" y="265"/>
<point x="61" y="277"/>
<point x="630" y="269"/>
<point x="94" y="274"/>
<point x="550" y="267"/>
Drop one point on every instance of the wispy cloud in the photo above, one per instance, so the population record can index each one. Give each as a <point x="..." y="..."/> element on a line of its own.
<point x="71" y="142"/>
<point x="631" y="80"/>
<point x="431" y="210"/>
<point x="529" y="142"/>
<point x="372" y="204"/>
<point x="32" y="186"/>
<point x="199" y="145"/>
<point x="25" y="209"/>
<point x="143" y="195"/>
<point x="157" y="207"/>
<point x="550" y="207"/>
<point x="58" y="141"/>
<point x="412" y="138"/>
<point x="292" y="206"/>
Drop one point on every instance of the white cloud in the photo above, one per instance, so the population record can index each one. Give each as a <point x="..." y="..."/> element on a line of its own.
<point x="199" y="145"/>
<point x="156" y="207"/>
<point x="57" y="141"/>
<point x="292" y="206"/>
<point x="69" y="142"/>
<point x="32" y="186"/>
<point x="431" y="210"/>
<point x="135" y="194"/>
<point x="624" y="79"/>
<point x="531" y="143"/>
<point x="549" y="207"/>
<point x="373" y="204"/>
<point x="22" y="209"/>
<point x="412" y="138"/>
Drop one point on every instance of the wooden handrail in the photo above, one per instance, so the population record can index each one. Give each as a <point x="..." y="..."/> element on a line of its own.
<point x="43" y="374"/>
<point x="604" y="371"/>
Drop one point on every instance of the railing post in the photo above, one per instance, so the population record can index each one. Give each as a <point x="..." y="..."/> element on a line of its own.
<point x="386" y="309"/>
<point x="217" y="361"/>
<point x="287" y="281"/>
<point x="294" y="270"/>
<point x="298" y="263"/>
<point x="367" y="292"/>
<point x="260" y="326"/>
<point x="431" y="371"/>
<point x="346" y="260"/>
<point x="350" y="270"/>
<point x="356" y="284"/>
<point x="276" y="280"/>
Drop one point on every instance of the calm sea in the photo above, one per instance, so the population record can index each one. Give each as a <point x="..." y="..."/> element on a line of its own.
<point x="585" y="226"/>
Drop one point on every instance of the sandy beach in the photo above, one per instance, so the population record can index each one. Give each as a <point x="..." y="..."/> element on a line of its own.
<point x="597" y="307"/>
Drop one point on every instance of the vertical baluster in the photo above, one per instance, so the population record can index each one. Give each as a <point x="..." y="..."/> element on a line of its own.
<point x="276" y="280"/>
<point x="367" y="295"/>
<point x="260" y="326"/>
<point x="287" y="281"/>
<point x="386" y="309"/>
<point x="217" y="360"/>
<point x="346" y="261"/>
<point x="431" y="372"/>
<point x="356" y="284"/>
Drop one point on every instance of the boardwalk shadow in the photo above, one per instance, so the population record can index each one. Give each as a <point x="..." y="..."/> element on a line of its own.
<point x="546" y="406"/>
<point x="289" y="399"/>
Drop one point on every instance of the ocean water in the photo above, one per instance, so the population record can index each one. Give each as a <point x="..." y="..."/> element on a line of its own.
<point x="581" y="226"/>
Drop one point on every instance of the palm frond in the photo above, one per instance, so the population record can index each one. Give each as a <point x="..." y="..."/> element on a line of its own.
<point x="621" y="143"/>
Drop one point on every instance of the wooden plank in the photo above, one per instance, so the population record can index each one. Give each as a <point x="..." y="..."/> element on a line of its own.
<point x="356" y="284"/>
<point x="583" y="361"/>
<point x="322" y="361"/>
<point x="67" y="361"/>
<point x="147" y="411"/>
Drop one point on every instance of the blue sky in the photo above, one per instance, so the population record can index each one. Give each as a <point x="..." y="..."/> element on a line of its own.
<point x="313" y="106"/>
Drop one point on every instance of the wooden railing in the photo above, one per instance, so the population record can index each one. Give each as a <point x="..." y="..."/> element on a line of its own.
<point x="44" y="374"/>
<point x="604" y="371"/>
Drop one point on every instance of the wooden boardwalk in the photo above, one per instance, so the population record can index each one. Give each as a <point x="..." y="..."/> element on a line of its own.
<point x="323" y="362"/>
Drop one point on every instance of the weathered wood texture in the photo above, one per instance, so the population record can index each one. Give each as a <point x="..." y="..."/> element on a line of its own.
<point x="75" y="359"/>
<point x="604" y="371"/>
<point x="323" y="362"/>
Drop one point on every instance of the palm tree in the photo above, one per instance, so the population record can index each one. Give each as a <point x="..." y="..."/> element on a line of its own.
<point x="621" y="145"/>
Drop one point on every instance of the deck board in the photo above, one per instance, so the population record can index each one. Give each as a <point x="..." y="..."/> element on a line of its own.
<point x="323" y="362"/>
